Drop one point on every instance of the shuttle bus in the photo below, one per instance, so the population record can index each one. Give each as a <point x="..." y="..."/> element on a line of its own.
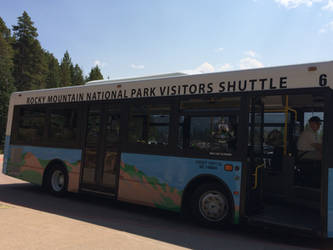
<point x="222" y="147"/>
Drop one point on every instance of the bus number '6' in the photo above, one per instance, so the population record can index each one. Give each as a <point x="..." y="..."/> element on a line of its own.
<point x="323" y="80"/>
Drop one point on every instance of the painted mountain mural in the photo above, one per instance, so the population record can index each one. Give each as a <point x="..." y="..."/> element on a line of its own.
<point x="27" y="166"/>
<point x="135" y="186"/>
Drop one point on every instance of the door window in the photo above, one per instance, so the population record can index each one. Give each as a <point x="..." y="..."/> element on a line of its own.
<point x="93" y="128"/>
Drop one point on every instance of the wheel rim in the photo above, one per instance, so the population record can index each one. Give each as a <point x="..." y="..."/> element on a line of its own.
<point x="58" y="180"/>
<point x="213" y="206"/>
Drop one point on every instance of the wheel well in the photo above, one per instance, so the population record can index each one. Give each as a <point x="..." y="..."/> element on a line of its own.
<point x="196" y="182"/>
<point x="50" y="165"/>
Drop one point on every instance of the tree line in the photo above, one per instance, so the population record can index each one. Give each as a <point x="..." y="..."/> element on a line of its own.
<point x="25" y="65"/>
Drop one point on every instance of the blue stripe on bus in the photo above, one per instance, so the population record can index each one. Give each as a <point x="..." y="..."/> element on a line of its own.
<point x="47" y="153"/>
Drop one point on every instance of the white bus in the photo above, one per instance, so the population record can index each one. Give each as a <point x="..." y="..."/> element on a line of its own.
<point x="221" y="147"/>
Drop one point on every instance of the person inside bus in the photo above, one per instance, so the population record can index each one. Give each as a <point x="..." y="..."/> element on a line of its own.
<point x="309" y="142"/>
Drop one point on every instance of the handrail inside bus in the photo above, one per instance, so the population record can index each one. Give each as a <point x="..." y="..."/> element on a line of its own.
<point x="256" y="175"/>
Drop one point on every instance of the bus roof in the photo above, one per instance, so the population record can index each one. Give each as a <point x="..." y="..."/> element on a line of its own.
<point x="133" y="79"/>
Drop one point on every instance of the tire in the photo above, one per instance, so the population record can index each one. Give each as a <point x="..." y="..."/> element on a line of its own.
<point x="57" y="181"/>
<point x="210" y="205"/>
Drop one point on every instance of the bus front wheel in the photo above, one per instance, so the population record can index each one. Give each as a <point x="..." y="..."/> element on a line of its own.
<point x="210" y="205"/>
<point x="57" y="180"/>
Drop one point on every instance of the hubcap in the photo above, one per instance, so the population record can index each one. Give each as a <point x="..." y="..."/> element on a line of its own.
<point x="57" y="180"/>
<point x="213" y="206"/>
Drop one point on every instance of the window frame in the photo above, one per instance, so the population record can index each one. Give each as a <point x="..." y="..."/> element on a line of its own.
<point x="46" y="140"/>
<point x="150" y="148"/>
<point x="57" y="143"/>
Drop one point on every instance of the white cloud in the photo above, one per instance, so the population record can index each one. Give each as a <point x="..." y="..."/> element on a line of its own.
<point x="251" y="53"/>
<point x="249" y="63"/>
<point x="244" y="63"/>
<point x="327" y="28"/>
<point x="203" y="68"/>
<point x="99" y="63"/>
<point x="290" y="4"/>
<point x="226" y="67"/>
<point x="137" y="66"/>
<point x="219" y="49"/>
<point x="329" y="6"/>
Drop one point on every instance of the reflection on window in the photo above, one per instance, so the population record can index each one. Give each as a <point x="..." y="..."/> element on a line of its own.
<point x="273" y="136"/>
<point x="93" y="128"/>
<point x="213" y="134"/>
<point x="149" y="124"/>
<point x="63" y="125"/>
<point x="90" y="166"/>
<point x="275" y="117"/>
<point x="31" y="125"/>
<point x="112" y="128"/>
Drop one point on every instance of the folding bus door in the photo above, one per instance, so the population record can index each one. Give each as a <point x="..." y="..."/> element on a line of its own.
<point x="102" y="149"/>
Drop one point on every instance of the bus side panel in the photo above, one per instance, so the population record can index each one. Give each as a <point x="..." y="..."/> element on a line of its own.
<point x="330" y="204"/>
<point x="28" y="163"/>
<point x="159" y="181"/>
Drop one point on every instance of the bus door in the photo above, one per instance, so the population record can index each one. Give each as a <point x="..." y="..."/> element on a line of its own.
<point x="102" y="149"/>
<point x="255" y="156"/>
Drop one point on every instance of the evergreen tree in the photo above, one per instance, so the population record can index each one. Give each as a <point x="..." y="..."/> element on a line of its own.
<point x="29" y="64"/>
<point x="66" y="69"/>
<point x="95" y="74"/>
<point x="53" y="73"/>
<point x="6" y="79"/>
<point x="77" y="75"/>
<point x="4" y="31"/>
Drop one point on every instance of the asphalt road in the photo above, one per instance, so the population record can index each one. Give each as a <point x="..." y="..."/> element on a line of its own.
<point x="32" y="219"/>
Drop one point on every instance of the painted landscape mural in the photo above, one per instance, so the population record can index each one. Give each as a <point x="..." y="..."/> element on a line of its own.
<point x="159" y="181"/>
<point x="161" y="195"/>
<point x="29" y="163"/>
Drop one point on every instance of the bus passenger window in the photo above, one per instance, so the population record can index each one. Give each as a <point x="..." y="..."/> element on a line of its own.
<point x="149" y="124"/>
<point x="212" y="134"/>
<point x="31" y="125"/>
<point x="158" y="129"/>
<point x="63" y="125"/>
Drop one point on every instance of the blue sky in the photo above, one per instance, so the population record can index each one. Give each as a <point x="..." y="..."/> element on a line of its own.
<point x="135" y="38"/>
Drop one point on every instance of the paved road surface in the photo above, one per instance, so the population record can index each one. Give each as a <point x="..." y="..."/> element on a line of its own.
<point x="33" y="219"/>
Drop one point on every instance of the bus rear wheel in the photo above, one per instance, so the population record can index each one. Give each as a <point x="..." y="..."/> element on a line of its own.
<point x="210" y="205"/>
<point x="57" y="180"/>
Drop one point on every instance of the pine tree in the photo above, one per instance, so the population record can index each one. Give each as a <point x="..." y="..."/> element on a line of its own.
<point x="66" y="69"/>
<point x="52" y="79"/>
<point x="77" y="75"/>
<point x="95" y="74"/>
<point x="29" y="63"/>
<point x="6" y="79"/>
<point x="4" y="31"/>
